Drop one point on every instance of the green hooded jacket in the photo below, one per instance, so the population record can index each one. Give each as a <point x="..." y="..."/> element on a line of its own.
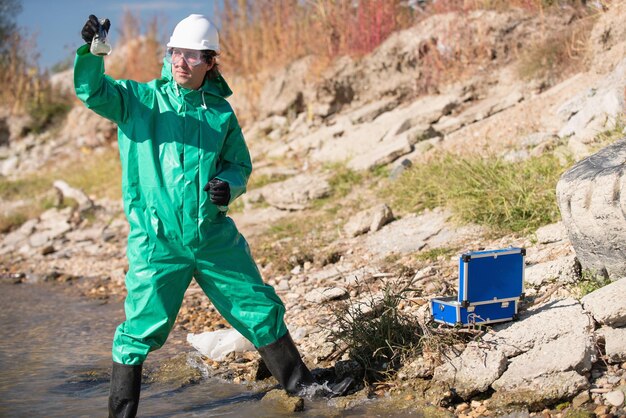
<point x="172" y="141"/>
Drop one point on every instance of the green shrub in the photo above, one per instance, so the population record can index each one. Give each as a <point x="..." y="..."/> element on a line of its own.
<point x="375" y="331"/>
<point x="508" y="197"/>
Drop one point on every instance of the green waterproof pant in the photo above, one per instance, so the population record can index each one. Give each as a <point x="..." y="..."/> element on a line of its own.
<point x="159" y="274"/>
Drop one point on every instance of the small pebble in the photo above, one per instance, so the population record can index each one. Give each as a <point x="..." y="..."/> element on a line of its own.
<point x="615" y="398"/>
<point x="613" y="380"/>
<point x="600" y="390"/>
<point x="462" y="407"/>
<point x="601" y="410"/>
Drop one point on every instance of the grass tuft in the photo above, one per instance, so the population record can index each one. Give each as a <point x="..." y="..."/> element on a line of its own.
<point x="507" y="197"/>
<point x="590" y="282"/>
<point x="343" y="179"/>
<point x="376" y="332"/>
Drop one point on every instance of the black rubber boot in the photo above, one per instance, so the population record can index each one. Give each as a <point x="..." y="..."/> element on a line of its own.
<point x="124" y="393"/>
<point x="284" y="362"/>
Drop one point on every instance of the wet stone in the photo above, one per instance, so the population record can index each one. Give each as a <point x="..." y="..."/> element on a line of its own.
<point x="284" y="401"/>
<point x="176" y="372"/>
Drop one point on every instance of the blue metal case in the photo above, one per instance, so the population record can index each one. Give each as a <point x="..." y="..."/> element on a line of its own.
<point x="491" y="275"/>
<point x="450" y="311"/>
<point x="491" y="284"/>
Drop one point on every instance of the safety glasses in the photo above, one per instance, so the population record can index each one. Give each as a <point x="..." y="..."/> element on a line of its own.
<point x="192" y="57"/>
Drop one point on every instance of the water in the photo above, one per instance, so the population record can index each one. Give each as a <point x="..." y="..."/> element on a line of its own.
<point x="55" y="362"/>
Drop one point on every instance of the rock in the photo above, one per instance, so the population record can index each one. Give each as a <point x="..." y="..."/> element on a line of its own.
<point x="48" y="249"/>
<point x="84" y="202"/>
<point x="371" y="111"/>
<point x="9" y="165"/>
<point x="335" y="92"/>
<point x="597" y="108"/>
<point x="541" y="325"/>
<point x="589" y="199"/>
<point x="284" y="92"/>
<point x="576" y="352"/>
<point x="615" y="398"/>
<point x="87" y="128"/>
<point x="551" y="233"/>
<point x="330" y="273"/>
<point x="562" y="270"/>
<point x="498" y="100"/>
<point x="176" y="372"/>
<point x="423" y="112"/>
<point x="384" y="153"/>
<point x="287" y="403"/>
<point x="400" y="168"/>
<point x="325" y="294"/>
<point x="218" y="344"/>
<point x="607" y="305"/>
<point x="297" y="192"/>
<point x="614" y="343"/>
<point x="419" y="368"/>
<point x="18" y="126"/>
<point x="380" y="142"/>
<point x="368" y="220"/>
<point x="414" y="232"/>
<point x="473" y="371"/>
<point x="581" y="399"/>
<point x="17" y="237"/>
<point x="350" y="401"/>
<point x="93" y="234"/>
<point x="542" y="391"/>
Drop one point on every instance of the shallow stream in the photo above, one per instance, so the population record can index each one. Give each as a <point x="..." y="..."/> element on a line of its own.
<point x="55" y="362"/>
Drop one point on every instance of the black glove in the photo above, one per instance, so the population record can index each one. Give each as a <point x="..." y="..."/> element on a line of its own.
<point x="92" y="27"/>
<point x="219" y="192"/>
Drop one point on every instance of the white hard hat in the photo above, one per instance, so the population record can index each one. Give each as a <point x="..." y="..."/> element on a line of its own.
<point x="195" y="32"/>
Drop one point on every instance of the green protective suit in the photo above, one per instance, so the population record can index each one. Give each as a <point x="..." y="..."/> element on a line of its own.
<point x="172" y="141"/>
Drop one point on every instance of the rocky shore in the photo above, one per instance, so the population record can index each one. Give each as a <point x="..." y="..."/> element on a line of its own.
<point x="564" y="356"/>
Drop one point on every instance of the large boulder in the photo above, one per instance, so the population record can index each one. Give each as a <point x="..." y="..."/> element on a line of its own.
<point x="284" y="93"/>
<point x="591" y="199"/>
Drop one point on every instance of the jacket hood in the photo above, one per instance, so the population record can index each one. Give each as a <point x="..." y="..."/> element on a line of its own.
<point x="217" y="86"/>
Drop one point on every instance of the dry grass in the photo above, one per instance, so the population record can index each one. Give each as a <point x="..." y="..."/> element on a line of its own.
<point x="264" y="34"/>
<point x="25" y="89"/>
<point x="556" y="56"/>
<point x="143" y="53"/>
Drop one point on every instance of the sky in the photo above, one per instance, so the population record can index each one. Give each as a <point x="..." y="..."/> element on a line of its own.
<point x="56" y="24"/>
